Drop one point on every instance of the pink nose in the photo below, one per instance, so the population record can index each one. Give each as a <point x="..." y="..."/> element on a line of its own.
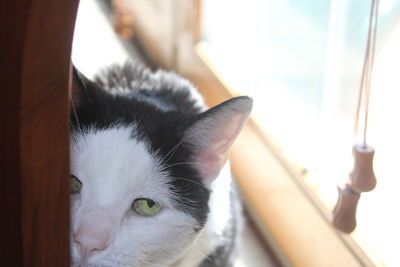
<point x="93" y="232"/>
<point x="89" y="245"/>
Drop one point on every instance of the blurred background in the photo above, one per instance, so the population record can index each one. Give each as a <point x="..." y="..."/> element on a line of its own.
<point x="301" y="61"/>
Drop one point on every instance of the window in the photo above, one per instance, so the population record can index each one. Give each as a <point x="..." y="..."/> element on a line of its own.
<point x="302" y="63"/>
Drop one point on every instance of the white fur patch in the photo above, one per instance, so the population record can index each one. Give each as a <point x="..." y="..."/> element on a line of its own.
<point x="115" y="169"/>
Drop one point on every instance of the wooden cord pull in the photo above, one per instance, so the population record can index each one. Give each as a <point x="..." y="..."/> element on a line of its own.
<point x="344" y="214"/>
<point x="362" y="179"/>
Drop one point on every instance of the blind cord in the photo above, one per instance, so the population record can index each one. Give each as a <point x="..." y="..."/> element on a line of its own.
<point x="365" y="84"/>
<point x="362" y="178"/>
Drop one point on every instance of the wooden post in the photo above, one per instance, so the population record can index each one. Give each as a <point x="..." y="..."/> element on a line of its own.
<point x="35" y="49"/>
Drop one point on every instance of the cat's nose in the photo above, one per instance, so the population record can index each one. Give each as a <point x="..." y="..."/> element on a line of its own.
<point x="87" y="250"/>
<point x="93" y="234"/>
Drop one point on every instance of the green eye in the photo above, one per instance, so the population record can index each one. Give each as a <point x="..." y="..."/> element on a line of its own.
<point x="75" y="184"/>
<point x="146" y="207"/>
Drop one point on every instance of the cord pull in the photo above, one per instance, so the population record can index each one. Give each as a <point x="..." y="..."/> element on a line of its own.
<point x="344" y="214"/>
<point x="362" y="178"/>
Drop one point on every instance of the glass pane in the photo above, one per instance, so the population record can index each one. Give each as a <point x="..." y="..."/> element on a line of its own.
<point x="301" y="61"/>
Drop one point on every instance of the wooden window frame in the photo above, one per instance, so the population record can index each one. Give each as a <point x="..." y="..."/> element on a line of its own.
<point x="290" y="217"/>
<point x="36" y="39"/>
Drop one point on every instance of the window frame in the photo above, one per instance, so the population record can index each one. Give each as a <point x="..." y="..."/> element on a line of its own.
<point x="289" y="215"/>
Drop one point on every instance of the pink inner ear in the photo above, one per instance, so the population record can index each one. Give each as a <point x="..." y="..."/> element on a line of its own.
<point x="214" y="156"/>
<point x="210" y="164"/>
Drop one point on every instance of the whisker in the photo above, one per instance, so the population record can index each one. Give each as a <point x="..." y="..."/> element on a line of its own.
<point x="173" y="150"/>
<point x="153" y="264"/>
<point x="176" y="164"/>
<point x="184" y="163"/>
<point x="74" y="112"/>
<point x="191" y="181"/>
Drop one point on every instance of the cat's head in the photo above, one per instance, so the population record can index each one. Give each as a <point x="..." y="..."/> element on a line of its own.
<point x="141" y="176"/>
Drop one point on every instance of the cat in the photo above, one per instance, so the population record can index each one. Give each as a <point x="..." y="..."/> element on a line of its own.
<point x="149" y="181"/>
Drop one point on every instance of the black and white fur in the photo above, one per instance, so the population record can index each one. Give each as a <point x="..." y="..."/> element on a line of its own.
<point x="142" y="134"/>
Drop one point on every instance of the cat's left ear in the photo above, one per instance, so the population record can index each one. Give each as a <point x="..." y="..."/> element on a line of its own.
<point x="79" y="87"/>
<point x="213" y="133"/>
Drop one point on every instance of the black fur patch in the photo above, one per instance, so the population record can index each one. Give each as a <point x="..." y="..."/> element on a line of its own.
<point x="162" y="108"/>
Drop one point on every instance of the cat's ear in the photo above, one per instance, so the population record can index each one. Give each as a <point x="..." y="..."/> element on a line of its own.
<point x="79" y="87"/>
<point x="213" y="133"/>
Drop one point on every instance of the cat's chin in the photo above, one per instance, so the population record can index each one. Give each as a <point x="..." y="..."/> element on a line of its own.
<point x="75" y="258"/>
<point x="105" y="264"/>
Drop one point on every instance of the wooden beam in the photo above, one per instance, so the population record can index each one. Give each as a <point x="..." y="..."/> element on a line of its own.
<point x="36" y="38"/>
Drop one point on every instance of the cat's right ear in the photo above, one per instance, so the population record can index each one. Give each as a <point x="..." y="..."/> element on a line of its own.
<point x="213" y="132"/>
<point x="78" y="87"/>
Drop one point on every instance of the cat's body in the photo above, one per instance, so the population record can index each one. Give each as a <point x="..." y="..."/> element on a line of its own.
<point x="148" y="161"/>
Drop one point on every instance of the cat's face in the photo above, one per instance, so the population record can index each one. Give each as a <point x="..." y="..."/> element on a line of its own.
<point x="117" y="170"/>
<point x="140" y="176"/>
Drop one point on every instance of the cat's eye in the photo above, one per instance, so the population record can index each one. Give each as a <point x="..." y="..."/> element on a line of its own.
<point x="146" y="207"/>
<point x="75" y="184"/>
